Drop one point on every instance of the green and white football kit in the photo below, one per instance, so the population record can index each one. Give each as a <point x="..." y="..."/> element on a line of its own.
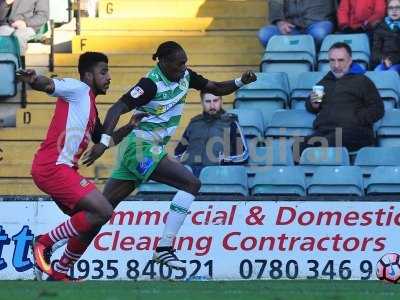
<point x="163" y="100"/>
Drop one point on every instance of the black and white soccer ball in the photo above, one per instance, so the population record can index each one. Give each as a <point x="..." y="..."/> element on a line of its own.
<point x="388" y="268"/>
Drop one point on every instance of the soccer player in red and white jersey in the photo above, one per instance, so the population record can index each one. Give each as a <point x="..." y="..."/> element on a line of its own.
<point x="55" y="166"/>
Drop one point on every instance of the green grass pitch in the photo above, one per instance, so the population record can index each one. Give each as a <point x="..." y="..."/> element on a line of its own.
<point x="201" y="290"/>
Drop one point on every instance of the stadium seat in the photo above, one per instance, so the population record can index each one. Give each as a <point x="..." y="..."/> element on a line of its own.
<point x="384" y="181"/>
<point x="293" y="54"/>
<point x="388" y="129"/>
<point x="314" y="157"/>
<point x="387" y="84"/>
<point x="301" y="90"/>
<point x="269" y="93"/>
<point x="359" y="44"/>
<point x="339" y="180"/>
<point x="290" y="123"/>
<point x="251" y="122"/>
<point x="275" y="153"/>
<point x="228" y="180"/>
<point x="10" y="61"/>
<point x="153" y="187"/>
<point x="279" y="181"/>
<point x="368" y="158"/>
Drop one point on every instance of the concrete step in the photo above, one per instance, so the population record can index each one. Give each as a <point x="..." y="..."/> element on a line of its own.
<point x="194" y="44"/>
<point x="181" y="8"/>
<point x="89" y="25"/>
<point x="26" y="186"/>
<point x="145" y="60"/>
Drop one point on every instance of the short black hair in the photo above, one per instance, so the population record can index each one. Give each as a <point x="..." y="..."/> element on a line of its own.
<point x="88" y="60"/>
<point x="202" y="93"/>
<point x="166" y="49"/>
<point x="342" y="45"/>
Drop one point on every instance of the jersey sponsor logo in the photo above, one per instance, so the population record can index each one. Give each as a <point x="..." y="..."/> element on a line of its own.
<point x="136" y="92"/>
<point x="144" y="165"/>
<point x="160" y="109"/>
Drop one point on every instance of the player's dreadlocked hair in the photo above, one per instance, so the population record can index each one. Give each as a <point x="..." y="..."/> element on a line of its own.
<point x="88" y="60"/>
<point x="166" y="49"/>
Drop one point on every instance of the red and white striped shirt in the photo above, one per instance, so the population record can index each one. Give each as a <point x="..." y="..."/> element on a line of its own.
<point x="72" y="125"/>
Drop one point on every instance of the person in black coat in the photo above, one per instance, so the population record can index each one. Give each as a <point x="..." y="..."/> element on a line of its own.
<point x="350" y="106"/>
<point x="386" y="42"/>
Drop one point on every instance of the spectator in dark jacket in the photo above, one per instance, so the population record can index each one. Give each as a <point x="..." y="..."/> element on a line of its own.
<point x="386" y="45"/>
<point x="350" y="106"/>
<point x="357" y="16"/>
<point x="23" y="18"/>
<point x="313" y="17"/>
<point x="210" y="136"/>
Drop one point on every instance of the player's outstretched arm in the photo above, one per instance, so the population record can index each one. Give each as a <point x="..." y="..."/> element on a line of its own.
<point x="228" y="87"/>
<point x="110" y="122"/>
<point x="37" y="82"/>
<point x="122" y="132"/>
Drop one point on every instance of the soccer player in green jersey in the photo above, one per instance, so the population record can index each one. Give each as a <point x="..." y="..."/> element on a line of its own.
<point x="161" y="94"/>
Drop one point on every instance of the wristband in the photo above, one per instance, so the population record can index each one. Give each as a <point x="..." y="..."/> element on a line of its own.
<point x="238" y="82"/>
<point x="105" y="140"/>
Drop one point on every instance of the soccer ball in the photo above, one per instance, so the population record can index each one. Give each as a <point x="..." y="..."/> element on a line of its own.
<point x="388" y="268"/>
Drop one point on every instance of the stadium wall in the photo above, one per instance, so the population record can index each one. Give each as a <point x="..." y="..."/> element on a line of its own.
<point x="232" y="238"/>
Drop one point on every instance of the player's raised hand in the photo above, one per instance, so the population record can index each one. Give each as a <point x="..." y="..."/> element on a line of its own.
<point x="248" y="77"/>
<point x="27" y="76"/>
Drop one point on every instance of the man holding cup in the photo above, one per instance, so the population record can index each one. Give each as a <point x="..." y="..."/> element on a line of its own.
<point x="346" y="103"/>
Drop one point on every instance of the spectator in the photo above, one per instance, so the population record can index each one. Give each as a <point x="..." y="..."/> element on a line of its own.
<point x="313" y="17"/>
<point x="358" y="16"/>
<point x="209" y="135"/>
<point x="23" y="18"/>
<point x="350" y="105"/>
<point x="386" y="45"/>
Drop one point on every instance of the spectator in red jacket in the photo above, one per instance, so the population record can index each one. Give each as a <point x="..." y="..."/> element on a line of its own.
<point x="356" y="16"/>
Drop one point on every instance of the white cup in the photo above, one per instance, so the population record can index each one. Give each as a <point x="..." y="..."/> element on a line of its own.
<point x="319" y="91"/>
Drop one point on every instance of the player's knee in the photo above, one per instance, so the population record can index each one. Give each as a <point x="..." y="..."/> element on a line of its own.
<point x="194" y="185"/>
<point x="103" y="215"/>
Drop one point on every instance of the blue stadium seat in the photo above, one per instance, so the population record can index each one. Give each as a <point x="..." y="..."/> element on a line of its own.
<point x="290" y="123"/>
<point x="231" y="180"/>
<point x="314" y="157"/>
<point x="279" y="181"/>
<point x="388" y="129"/>
<point x="359" y="44"/>
<point x="368" y="158"/>
<point x="339" y="180"/>
<point x="251" y="122"/>
<point x="153" y="187"/>
<point x="301" y="90"/>
<point x="10" y="61"/>
<point x="293" y="54"/>
<point x="269" y="93"/>
<point x="384" y="181"/>
<point x="275" y="153"/>
<point x="388" y="86"/>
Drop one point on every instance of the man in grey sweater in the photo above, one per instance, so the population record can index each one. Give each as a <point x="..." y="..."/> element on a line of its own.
<point x="315" y="17"/>
<point x="23" y="18"/>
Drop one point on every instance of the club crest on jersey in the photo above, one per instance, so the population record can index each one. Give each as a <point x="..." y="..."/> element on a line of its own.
<point x="183" y="84"/>
<point x="84" y="182"/>
<point x="156" y="150"/>
<point x="136" y="92"/>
